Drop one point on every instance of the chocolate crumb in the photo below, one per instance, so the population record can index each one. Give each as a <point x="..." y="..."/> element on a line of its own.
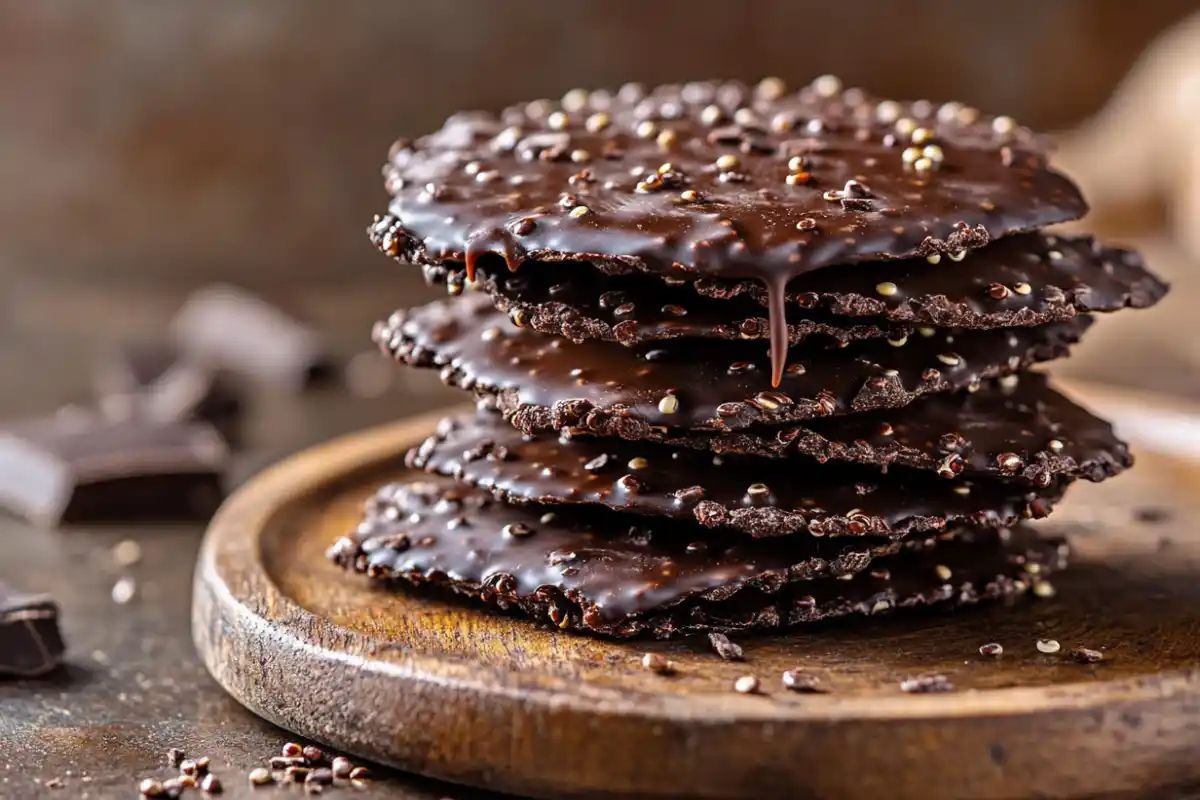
<point x="342" y="767"/>
<point x="322" y="776"/>
<point x="797" y="680"/>
<point x="260" y="776"/>
<point x="927" y="683"/>
<point x="295" y="774"/>
<point x="175" y="757"/>
<point x="1152" y="515"/>
<point x="657" y="663"/>
<point x="151" y="787"/>
<point x="727" y="650"/>
<point x="123" y="591"/>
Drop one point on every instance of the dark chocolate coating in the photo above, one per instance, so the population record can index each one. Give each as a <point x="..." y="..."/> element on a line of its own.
<point x="588" y="570"/>
<point x="636" y="309"/>
<point x="1018" y="281"/>
<point x="466" y="190"/>
<point x="1017" y="427"/>
<point x="760" y="186"/>
<point x="757" y="496"/>
<point x="30" y="641"/>
<point x="76" y="466"/>
<point x="542" y="382"/>
<point x="1022" y="280"/>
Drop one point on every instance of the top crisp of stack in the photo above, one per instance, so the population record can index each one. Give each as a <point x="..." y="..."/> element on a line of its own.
<point x="732" y="342"/>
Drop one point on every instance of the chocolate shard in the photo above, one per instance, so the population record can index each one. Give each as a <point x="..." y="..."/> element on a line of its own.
<point x="1018" y="281"/>
<point x="757" y="496"/>
<point x="31" y="644"/>
<point x="231" y="329"/>
<point x="78" y="467"/>
<point x="596" y="573"/>
<point x="156" y="382"/>
<point x="543" y="383"/>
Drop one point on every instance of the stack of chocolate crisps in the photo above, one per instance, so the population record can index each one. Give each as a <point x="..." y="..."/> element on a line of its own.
<point x="743" y="357"/>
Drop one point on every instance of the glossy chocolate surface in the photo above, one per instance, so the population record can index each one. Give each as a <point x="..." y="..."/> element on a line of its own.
<point x="594" y="571"/>
<point x="1018" y="281"/>
<point x="1017" y="427"/>
<point x="717" y="179"/>
<point x="543" y="382"/>
<point x="758" y="496"/>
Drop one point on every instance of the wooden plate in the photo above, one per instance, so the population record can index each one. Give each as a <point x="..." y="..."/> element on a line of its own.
<point x="472" y="696"/>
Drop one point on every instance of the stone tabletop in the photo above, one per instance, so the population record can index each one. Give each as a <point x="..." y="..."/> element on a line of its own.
<point x="133" y="686"/>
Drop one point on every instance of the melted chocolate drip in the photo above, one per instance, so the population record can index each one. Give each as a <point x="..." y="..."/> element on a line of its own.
<point x="543" y="382"/>
<point x="1018" y="281"/>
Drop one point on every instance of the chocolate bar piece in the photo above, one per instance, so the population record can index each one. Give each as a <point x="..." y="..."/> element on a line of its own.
<point x="231" y="329"/>
<point x="595" y="570"/>
<point x="155" y="381"/>
<point x="77" y="466"/>
<point x="30" y="641"/>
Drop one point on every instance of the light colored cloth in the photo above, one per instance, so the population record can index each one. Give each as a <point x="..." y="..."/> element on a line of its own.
<point x="1141" y="153"/>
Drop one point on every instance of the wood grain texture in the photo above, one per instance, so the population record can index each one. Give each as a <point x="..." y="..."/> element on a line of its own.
<point x="453" y="691"/>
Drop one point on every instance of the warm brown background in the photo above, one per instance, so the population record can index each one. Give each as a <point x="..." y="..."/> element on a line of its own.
<point x="151" y="146"/>
<point x="192" y="140"/>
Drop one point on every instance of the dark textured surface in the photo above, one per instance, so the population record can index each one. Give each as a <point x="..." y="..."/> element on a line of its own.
<point x="605" y="177"/>
<point x="762" y="497"/>
<point x="542" y="382"/>
<point x="595" y="572"/>
<point x="1017" y="428"/>
<point x="1021" y="280"/>
<point x="132" y="686"/>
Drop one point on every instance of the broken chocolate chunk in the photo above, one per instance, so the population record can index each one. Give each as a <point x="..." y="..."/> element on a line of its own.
<point x="30" y="641"/>
<point x="78" y="467"/>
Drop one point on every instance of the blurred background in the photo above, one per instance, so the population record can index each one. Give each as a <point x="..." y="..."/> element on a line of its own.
<point x="150" y="148"/>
